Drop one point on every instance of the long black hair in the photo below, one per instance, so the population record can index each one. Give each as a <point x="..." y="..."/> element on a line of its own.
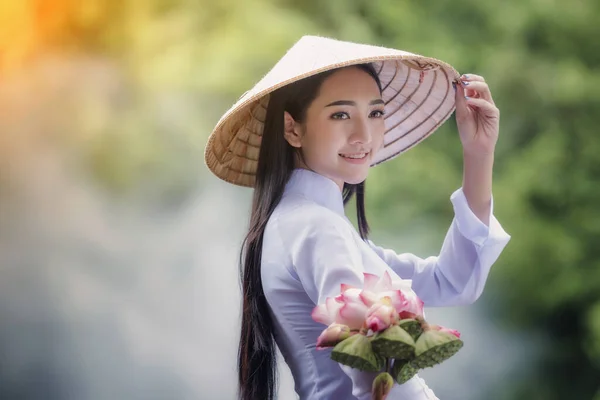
<point x="257" y="364"/>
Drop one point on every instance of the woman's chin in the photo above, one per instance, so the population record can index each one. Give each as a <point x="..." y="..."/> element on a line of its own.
<point x="355" y="179"/>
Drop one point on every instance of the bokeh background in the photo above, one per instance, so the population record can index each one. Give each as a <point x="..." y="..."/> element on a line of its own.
<point x="118" y="249"/>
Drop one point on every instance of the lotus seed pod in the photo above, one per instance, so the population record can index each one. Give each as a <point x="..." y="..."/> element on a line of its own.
<point x="403" y="371"/>
<point x="434" y="347"/>
<point x="356" y="352"/>
<point x="394" y="342"/>
<point x="412" y="326"/>
<point x="382" y="385"/>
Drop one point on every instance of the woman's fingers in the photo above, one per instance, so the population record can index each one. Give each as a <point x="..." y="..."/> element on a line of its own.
<point x="477" y="89"/>
<point x="472" y="77"/>
<point x="488" y="109"/>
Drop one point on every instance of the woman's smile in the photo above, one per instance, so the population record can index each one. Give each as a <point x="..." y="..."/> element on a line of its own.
<point x="355" y="158"/>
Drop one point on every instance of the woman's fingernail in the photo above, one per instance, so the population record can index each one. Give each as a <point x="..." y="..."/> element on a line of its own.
<point x="467" y="98"/>
<point x="466" y="76"/>
<point x="465" y="83"/>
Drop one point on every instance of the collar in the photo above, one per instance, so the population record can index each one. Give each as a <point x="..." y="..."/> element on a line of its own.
<point x="317" y="188"/>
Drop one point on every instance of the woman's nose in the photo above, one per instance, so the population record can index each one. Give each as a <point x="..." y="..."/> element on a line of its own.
<point x="361" y="133"/>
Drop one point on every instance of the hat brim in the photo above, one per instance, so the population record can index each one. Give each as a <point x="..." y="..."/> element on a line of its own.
<point x="417" y="91"/>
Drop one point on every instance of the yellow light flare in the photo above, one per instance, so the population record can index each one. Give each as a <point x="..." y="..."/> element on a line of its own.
<point x="30" y="26"/>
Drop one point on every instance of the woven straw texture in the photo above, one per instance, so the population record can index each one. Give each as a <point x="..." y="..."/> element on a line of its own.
<point x="417" y="91"/>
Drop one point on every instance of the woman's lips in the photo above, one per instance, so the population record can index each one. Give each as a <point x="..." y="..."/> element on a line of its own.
<point x="355" y="158"/>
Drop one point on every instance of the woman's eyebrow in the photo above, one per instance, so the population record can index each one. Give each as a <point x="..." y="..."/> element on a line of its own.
<point x="353" y="103"/>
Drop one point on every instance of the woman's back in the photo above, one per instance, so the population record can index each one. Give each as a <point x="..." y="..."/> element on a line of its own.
<point x="316" y="376"/>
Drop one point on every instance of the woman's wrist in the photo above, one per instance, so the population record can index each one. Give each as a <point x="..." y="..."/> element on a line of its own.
<point x="477" y="183"/>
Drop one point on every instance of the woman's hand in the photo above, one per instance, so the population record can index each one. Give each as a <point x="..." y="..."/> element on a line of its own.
<point x="477" y="117"/>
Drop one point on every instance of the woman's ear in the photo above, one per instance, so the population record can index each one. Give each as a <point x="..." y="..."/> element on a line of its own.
<point x="291" y="130"/>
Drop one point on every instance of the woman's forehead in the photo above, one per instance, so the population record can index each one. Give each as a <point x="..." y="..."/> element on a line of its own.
<point x="349" y="81"/>
<point x="353" y="86"/>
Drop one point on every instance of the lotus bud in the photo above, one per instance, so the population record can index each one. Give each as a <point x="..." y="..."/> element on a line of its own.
<point x="332" y="335"/>
<point x="356" y="352"/>
<point x="448" y="330"/>
<point x="382" y="385"/>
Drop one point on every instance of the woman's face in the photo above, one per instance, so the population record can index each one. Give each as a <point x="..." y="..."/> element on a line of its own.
<point x="343" y="128"/>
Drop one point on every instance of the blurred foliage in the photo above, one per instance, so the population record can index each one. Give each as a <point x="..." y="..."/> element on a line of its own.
<point x="186" y="61"/>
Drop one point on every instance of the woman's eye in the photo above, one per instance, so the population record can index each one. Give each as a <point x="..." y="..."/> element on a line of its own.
<point x="344" y="115"/>
<point x="340" y="115"/>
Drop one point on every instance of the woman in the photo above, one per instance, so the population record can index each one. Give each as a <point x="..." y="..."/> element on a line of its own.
<point x="305" y="137"/>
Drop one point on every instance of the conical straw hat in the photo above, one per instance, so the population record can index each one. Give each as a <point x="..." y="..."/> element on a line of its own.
<point x="417" y="91"/>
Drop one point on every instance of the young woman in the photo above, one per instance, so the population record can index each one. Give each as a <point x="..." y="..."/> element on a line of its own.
<point x="304" y="138"/>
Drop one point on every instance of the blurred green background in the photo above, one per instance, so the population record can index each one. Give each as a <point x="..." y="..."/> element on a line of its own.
<point x="118" y="249"/>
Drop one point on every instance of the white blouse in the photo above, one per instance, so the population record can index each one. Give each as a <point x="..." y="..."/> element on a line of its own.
<point x="310" y="247"/>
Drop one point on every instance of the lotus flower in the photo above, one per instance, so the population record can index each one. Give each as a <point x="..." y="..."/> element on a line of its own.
<point x="394" y="313"/>
<point x="331" y="336"/>
<point x="354" y="308"/>
<point x="354" y="305"/>
<point x="353" y="314"/>
<point x="346" y="309"/>
<point x="404" y="300"/>
<point x="381" y="315"/>
<point x="377" y="288"/>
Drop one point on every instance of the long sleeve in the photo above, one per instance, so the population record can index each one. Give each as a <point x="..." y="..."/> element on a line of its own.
<point x="324" y="255"/>
<point x="458" y="274"/>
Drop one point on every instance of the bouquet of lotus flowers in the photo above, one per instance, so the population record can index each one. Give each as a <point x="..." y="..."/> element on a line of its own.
<point x="381" y="328"/>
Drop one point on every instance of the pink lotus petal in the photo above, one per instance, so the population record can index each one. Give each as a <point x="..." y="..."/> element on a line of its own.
<point x="352" y="295"/>
<point x="327" y="313"/>
<point x="344" y="287"/>
<point x="370" y="281"/>
<point x="386" y="282"/>
<point x="368" y="298"/>
<point x="415" y="305"/>
<point x="333" y="307"/>
<point x="407" y="315"/>
<point x="376" y="325"/>
<point x="353" y="315"/>
<point x="380" y="316"/>
<point x="396" y="297"/>
<point x="411" y="305"/>
<point x="320" y="314"/>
